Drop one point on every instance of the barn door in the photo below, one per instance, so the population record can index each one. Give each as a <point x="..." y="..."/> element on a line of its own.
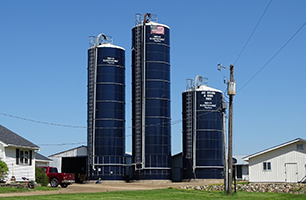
<point x="291" y="172"/>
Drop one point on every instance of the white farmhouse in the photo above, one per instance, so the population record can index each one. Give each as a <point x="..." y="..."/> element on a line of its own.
<point x="283" y="163"/>
<point x="19" y="155"/>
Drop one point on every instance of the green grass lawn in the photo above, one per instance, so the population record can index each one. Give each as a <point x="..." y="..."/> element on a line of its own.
<point x="165" y="194"/>
<point x="13" y="189"/>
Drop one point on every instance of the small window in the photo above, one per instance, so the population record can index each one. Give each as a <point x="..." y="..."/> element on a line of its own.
<point x="267" y="166"/>
<point x="264" y="166"/>
<point x="21" y="156"/>
<point x="299" y="147"/>
<point x="24" y="157"/>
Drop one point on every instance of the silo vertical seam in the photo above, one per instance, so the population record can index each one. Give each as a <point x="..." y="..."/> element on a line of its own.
<point x="144" y="97"/>
<point x="194" y="128"/>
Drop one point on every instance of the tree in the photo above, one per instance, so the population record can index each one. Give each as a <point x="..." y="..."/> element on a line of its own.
<point x="3" y="170"/>
<point x="41" y="177"/>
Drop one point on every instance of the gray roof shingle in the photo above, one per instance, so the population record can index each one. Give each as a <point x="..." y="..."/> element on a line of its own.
<point x="38" y="156"/>
<point x="12" y="139"/>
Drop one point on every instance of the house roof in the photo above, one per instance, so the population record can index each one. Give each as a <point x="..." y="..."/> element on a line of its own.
<point x="274" y="148"/>
<point x="127" y="154"/>
<point x="10" y="138"/>
<point x="40" y="157"/>
<point x="239" y="160"/>
<point x="82" y="146"/>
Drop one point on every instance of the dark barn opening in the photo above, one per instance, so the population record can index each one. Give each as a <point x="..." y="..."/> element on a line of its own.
<point x="76" y="165"/>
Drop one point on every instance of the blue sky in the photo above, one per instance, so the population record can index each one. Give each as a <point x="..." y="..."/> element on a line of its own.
<point x="43" y="63"/>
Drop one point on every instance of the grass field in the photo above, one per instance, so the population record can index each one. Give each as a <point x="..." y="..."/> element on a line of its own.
<point x="13" y="189"/>
<point x="164" y="194"/>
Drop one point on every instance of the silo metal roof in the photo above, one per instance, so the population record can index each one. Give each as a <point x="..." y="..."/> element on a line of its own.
<point x="203" y="88"/>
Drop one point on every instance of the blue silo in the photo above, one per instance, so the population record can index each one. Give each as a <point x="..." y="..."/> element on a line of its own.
<point x="106" y="109"/>
<point x="151" y="148"/>
<point x="202" y="132"/>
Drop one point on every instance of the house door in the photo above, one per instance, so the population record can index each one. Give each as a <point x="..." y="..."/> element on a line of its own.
<point x="291" y="172"/>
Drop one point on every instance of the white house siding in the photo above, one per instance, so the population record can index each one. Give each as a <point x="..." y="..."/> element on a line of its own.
<point x="18" y="170"/>
<point x="278" y="159"/>
<point x="39" y="163"/>
<point x="2" y="154"/>
<point x="245" y="172"/>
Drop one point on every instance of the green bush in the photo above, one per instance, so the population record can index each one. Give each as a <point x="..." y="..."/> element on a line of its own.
<point x="41" y="177"/>
<point x="3" y="170"/>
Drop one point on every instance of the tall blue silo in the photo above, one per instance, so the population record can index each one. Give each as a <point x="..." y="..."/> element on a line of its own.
<point x="202" y="131"/>
<point x="106" y="109"/>
<point x="151" y="142"/>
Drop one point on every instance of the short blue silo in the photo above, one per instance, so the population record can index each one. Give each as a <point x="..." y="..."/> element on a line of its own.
<point x="202" y="133"/>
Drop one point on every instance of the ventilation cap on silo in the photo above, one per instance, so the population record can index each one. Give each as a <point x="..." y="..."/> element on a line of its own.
<point x="142" y="19"/>
<point x="199" y="80"/>
<point x="100" y="39"/>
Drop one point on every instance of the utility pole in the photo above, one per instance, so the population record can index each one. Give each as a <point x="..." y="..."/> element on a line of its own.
<point x="231" y="93"/>
<point x="228" y="170"/>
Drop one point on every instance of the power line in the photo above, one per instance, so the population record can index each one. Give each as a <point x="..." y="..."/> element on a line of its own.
<point x="173" y="122"/>
<point x="41" y="122"/>
<point x="253" y="31"/>
<point x="62" y="144"/>
<point x="273" y="57"/>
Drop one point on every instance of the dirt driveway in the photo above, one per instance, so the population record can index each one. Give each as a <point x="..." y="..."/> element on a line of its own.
<point x="112" y="186"/>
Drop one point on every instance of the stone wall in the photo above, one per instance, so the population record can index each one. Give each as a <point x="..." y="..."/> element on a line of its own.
<point x="14" y="185"/>
<point x="296" y="188"/>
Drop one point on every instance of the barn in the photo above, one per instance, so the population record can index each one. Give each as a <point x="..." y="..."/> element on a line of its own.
<point x="282" y="163"/>
<point x="71" y="161"/>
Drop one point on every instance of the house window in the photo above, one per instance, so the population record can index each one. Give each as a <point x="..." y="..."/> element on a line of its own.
<point x="267" y="166"/>
<point x="299" y="147"/>
<point x="24" y="157"/>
